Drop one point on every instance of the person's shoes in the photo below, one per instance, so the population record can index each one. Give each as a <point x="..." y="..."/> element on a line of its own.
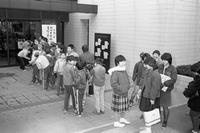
<point x="102" y="112"/>
<point x="194" y="131"/>
<point x="164" y="124"/>
<point x="118" y="124"/>
<point x="31" y="83"/>
<point x="96" y="113"/>
<point x="123" y="120"/>
<point x="65" y="111"/>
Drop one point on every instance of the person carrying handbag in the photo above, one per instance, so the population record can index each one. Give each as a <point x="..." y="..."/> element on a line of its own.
<point x="150" y="95"/>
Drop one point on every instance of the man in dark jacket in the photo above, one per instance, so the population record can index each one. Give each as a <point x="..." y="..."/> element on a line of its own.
<point x="193" y="93"/>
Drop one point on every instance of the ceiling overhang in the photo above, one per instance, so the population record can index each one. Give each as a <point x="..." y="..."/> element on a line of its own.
<point x="69" y="6"/>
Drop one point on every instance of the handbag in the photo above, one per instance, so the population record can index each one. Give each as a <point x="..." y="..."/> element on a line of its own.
<point x="152" y="117"/>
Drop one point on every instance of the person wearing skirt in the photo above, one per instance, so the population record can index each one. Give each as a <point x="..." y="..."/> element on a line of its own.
<point x="150" y="96"/>
<point x="165" y="99"/>
<point x="120" y="84"/>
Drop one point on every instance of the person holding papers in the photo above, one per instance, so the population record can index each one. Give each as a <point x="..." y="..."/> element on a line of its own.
<point x="168" y="76"/>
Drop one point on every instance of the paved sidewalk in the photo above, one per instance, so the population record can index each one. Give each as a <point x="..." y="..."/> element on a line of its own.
<point x="16" y="93"/>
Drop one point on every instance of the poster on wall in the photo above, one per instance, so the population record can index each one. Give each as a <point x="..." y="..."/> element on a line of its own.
<point x="102" y="48"/>
<point x="49" y="31"/>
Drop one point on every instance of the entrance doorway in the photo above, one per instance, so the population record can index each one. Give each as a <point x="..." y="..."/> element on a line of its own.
<point x="13" y="32"/>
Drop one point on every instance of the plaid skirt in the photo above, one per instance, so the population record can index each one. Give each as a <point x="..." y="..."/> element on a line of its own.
<point x="119" y="103"/>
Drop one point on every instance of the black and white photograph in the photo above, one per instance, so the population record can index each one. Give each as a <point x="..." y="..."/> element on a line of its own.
<point x="99" y="66"/>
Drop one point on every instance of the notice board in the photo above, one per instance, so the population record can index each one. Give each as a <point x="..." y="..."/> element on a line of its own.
<point x="102" y="44"/>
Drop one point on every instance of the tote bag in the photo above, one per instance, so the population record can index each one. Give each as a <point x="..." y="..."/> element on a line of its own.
<point x="152" y="117"/>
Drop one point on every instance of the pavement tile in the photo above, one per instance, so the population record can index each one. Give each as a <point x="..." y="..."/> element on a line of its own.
<point x="3" y="105"/>
<point x="22" y="100"/>
<point x="42" y="97"/>
<point x="53" y="96"/>
<point x="12" y="102"/>
<point x="33" y="98"/>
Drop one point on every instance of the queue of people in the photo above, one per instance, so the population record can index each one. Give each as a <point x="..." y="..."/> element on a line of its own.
<point x="72" y="74"/>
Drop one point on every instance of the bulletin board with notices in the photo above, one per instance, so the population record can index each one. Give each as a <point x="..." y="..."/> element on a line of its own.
<point x="102" y="48"/>
<point x="49" y="31"/>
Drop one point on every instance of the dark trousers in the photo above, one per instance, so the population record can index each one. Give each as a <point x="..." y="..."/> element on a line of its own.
<point x="80" y="99"/>
<point x="51" y="76"/>
<point x="21" y="63"/>
<point x="59" y="83"/>
<point x="69" y="92"/>
<point x="46" y="77"/>
<point x="35" y="76"/>
<point x="195" y="117"/>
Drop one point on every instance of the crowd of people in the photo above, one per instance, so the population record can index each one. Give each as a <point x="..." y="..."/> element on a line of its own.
<point x="72" y="74"/>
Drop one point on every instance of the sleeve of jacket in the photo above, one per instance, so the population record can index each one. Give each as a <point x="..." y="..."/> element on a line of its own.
<point x="190" y="90"/>
<point x="171" y="82"/>
<point x="156" y="86"/>
<point x="135" y="72"/>
<point x="114" y="81"/>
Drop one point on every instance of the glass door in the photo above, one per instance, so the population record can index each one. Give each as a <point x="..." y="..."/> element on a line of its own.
<point x="3" y="42"/>
<point x="12" y="33"/>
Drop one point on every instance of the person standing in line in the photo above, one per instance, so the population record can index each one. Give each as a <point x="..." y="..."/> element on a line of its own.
<point x="137" y="77"/>
<point x="69" y="75"/>
<point x="150" y="96"/>
<point x="35" y="73"/>
<point x="80" y="85"/>
<point x="156" y="56"/>
<point x="165" y="100"/>
<point x="49" y="72"/>
<point x="193" y="93"/>
<point x="42" y="64"/>
<point x="120" y="84"/>
<point x="86" y="56"/>
<point x="58" y="69"/>
<point x="70" y="51"/>
<point x="98" y="79"/>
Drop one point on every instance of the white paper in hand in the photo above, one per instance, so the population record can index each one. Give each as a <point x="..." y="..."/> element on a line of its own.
<point x="163" y="79"/>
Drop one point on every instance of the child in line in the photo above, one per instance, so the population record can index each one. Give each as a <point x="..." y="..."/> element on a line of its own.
<point x="58" y="69"/>
<point x="69" y="75"/>
<point x="80" y="86"/>
<point x="120" y="83"/>
<point x="98" y="79"/>
<point x="35" y="74"/>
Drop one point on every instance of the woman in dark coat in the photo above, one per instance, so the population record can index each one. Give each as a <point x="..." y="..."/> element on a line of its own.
<point x="165" y="99"/>
<point x="193" y="93"/>
<point x="150" y="97"/>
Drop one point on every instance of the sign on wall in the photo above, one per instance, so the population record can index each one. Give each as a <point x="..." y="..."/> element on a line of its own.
<point x="49" y="31"/>
<point x="102" y="48"/>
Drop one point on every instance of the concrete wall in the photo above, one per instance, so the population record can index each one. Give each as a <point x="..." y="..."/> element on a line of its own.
<point x="140" y="25"/>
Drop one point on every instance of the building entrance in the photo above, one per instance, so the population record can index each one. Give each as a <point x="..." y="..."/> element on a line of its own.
<point x="12" y="32"/>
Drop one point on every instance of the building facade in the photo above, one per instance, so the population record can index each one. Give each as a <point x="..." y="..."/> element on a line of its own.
<point x="23" y="19"/>
<point x="141" y="26"/>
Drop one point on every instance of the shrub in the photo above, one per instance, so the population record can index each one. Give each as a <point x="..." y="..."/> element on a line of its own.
<point x="185" y="70"/>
